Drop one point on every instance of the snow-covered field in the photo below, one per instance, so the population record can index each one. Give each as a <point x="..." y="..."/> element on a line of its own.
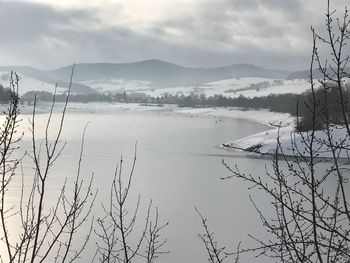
<point x="289" y="86"/>
<point x="236" y="87"/>
<point x="118" y="85"/>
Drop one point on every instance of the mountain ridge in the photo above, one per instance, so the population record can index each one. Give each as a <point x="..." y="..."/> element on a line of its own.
<point x="162" y="73"/>
<point x="157" y="72"/>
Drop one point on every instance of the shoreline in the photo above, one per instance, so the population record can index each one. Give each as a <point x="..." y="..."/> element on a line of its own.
<point x="262" y="144"/>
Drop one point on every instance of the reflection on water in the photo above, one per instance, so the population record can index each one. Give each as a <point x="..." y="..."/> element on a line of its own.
<point x="178" y="167"/>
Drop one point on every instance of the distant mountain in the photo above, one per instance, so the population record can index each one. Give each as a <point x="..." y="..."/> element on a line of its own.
<point x="158" y="73"/>
<point x="163" y="74"/>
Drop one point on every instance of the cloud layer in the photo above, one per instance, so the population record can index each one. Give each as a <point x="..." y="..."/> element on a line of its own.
<point x="270" y="33"/>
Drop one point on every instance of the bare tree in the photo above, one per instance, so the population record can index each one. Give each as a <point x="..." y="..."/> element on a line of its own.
<point x="45" y="235"/>
<point x="310" y="195"/>
<point x="118" y="225"/>
<point x="8" y="163"/>
<point x="216" y="253"/>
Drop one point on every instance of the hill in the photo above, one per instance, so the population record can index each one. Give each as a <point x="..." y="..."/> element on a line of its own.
<point x="150" y="74"/>
<point x="163" y="74"/>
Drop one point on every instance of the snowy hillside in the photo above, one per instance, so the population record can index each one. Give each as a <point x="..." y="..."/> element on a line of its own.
<point x="28" y="83"/>
<point x="248" y="87"/>
<point x="118" y="85"/>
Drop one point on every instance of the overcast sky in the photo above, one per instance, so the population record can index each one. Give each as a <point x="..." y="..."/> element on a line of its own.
<point x="51" y="33"/>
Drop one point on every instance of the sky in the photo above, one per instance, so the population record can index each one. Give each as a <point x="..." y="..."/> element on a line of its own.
<point x="48" y="34"/>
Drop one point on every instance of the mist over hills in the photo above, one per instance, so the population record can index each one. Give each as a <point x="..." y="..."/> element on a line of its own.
<point x="42" y="76"/>
<point x="158" y="73"/>
<point x="304" y="74"/>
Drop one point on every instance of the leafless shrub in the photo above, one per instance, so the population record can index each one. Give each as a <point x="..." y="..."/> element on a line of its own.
<point x="45" y="234"/>
<point x="216" y="253"/>
<point x="117" y="226"/>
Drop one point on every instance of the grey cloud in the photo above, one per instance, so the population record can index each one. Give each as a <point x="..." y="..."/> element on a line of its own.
<point x="237" y="5"/>
<point x="210" y="35"/>
<point x="225" y="23"/>
<point x="21" y="21"/>
<point x="263" y="27"/>
<point x="293" y="7"/>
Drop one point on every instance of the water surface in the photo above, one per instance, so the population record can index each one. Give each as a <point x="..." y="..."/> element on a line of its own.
<point x="178" y="167"/>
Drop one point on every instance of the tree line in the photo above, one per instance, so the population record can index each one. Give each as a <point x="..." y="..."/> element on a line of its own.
<point x="274" y="102"/>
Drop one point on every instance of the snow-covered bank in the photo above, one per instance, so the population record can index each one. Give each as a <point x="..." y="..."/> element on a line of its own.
<point x="292" y="143"/>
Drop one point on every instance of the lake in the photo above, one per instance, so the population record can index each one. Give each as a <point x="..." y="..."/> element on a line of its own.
<point x="178" y="167"/>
